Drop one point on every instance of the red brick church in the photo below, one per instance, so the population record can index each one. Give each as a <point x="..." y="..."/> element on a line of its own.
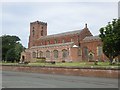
<point x="73" y="46"/>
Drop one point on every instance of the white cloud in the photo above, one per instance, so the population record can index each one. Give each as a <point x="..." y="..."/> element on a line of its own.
<point x="60" y="17"/>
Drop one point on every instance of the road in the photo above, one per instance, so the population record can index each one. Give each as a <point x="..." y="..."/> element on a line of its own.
<point x="36" y="80"/>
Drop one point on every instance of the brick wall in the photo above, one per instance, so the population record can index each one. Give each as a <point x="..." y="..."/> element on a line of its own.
<point x="90" y="72"/>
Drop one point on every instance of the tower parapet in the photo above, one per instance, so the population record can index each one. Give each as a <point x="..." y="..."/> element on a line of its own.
<point x="39" y="22"/>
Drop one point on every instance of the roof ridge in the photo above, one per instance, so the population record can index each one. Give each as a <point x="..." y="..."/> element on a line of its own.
<point x="61" y="34"/>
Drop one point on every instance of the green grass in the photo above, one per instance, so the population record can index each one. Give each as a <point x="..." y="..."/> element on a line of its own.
<point x="74" y="64"/>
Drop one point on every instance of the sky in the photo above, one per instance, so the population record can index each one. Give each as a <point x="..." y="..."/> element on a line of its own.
<point x="60" y="16"/>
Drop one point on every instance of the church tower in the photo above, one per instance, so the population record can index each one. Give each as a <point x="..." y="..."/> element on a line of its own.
<point x="38" y="29"/>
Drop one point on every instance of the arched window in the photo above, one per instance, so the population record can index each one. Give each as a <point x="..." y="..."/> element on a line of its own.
<point x="99" y="50"/>
<point x="55" y="41"/>
<point x="86" y="51"/>
<point x="64" y="53"/>
<point x="42" y="33"/>
<point x="40" y="54"/>
<point x="47" y="54"/>
<point x="55" y="53"/>
<point x="34" y="54"/>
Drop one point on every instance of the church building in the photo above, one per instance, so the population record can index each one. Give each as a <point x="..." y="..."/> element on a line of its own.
<point x="73" y="46"/>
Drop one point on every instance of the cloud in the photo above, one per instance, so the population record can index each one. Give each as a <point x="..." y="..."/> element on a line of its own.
<point x="60" y="17"/>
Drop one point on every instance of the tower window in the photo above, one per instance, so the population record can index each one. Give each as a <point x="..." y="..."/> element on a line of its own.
<point x="42" y="33"/>
<point x="33" y="32"/>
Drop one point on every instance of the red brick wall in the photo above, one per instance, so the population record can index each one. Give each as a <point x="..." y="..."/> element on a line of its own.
<point x="92" y="46"/>
<point x="37" y="27"/>
<point x="76" y="38"/>
<point x="91" y="72"/>
<point x="74" y="54"/>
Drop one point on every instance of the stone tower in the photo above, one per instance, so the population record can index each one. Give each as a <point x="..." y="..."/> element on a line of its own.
<point x="37" y="30"/>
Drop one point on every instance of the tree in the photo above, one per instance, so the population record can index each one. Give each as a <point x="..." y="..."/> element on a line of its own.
<point x="110" y="36"/>
<point x="18" y="49"/>
<point x="11" y="46"/>
<point x="10" y="55"/>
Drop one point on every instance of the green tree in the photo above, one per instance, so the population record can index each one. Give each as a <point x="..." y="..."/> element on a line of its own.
<point x="11" y="46"/>
<point x="18" y="49"/>
<point x="110" y="36"/>
<point x="10" y="55"/>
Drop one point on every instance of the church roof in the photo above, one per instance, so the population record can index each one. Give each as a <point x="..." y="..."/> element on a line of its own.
<point x="53" y="45"/>
<point x="90" y="38"/>
<point x="62" y="34"/>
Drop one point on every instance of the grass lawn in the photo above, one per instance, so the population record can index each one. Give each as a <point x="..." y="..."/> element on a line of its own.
<point x="73" y="64"/>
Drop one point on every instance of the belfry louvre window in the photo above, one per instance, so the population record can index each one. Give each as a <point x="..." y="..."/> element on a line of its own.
<point x="34" y="54"/>
<point x="55" y="53"/>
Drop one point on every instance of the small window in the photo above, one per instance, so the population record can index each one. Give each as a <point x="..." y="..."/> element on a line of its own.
<point x="48" y="41"/>
<point x="41" y="43"/>
<point x="71" y="39"/>
<point x="41" y="27"/>
<point x="55" y="41"/>
<point x="63" y="41"/>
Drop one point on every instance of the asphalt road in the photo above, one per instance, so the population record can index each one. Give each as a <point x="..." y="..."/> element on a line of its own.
<point x="37" y="80"/>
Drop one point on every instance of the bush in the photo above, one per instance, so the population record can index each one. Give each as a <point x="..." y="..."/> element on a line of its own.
<point x="41" y="60"/>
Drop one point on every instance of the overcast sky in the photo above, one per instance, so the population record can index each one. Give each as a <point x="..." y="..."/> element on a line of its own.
<point x="60" y="16"/>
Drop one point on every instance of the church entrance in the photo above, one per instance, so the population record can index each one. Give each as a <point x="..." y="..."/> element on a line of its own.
<point x="91" y="56"/>
<point x="23" y="58"/>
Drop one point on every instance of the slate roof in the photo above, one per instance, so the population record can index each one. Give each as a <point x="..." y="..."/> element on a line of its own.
<point x="62" y="34"/>
<point x="90" y="38"/>
<point x="53" y="45"/>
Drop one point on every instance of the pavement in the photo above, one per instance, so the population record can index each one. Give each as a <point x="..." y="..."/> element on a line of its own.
<point x="12" y="79"/>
